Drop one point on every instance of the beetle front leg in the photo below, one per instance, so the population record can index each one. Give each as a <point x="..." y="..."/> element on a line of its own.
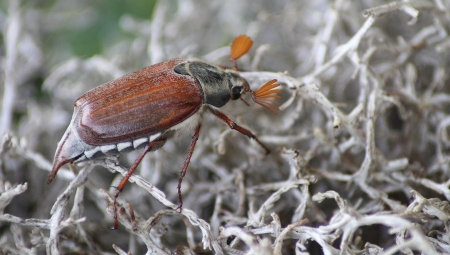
<point x="186" y="164"/>
<point x="238" y="128"/>
<point x="152" y="146"/>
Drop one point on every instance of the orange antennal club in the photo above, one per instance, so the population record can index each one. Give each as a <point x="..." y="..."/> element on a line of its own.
<point x="266" y="95"/>
<point x="240" y="46"/>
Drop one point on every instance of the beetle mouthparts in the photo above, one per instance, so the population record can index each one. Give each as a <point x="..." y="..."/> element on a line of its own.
<point x="266" y="95"/>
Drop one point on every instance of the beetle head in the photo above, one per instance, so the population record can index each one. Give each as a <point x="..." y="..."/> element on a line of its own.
<point x="237" y="85"/>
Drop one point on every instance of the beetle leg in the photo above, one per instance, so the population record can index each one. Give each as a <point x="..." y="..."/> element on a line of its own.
<point x="152" y="146"/>
<point x="236" y="127"/>
<point x="186" y="164"/>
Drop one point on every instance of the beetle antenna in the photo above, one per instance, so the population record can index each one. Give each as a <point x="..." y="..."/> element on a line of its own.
<point x="239" y="47"/>
<point x="266" y="95"/>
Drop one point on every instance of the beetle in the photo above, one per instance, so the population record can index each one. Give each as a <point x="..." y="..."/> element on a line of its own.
<point x="144" y="109"/>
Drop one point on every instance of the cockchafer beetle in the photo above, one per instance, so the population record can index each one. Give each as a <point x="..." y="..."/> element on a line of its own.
<point x="142" y="110"/>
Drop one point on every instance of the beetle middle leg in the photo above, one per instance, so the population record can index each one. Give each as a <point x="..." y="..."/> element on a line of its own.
<point x="186" y="164"/>
<point x="238" y="128"/>
<point x="151" y="146"/>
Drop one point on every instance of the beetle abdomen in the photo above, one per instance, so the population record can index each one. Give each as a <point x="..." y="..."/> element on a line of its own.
<point x="114" y="149"/>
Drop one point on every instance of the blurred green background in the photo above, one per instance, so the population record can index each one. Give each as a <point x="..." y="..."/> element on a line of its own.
<point x="104" y="29"/>
<point x="86" y="36"/>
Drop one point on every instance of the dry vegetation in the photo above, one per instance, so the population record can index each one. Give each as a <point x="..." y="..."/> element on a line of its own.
<point x="360" y="148"/>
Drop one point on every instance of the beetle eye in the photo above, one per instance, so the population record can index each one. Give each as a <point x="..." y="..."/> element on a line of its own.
<point x="236" y="92"/>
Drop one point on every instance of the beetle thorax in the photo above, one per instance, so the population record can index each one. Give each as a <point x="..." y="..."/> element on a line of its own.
<point x="218" y="86"/>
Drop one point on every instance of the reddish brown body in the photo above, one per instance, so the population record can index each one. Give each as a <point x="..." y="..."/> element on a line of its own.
<point x="127" y="113"/>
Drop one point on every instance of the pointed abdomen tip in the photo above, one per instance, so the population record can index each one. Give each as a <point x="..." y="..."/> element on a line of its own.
<point x="57" y="164"/>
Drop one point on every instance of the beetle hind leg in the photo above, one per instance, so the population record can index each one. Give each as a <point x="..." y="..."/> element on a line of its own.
<point x="151" y="146"/>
